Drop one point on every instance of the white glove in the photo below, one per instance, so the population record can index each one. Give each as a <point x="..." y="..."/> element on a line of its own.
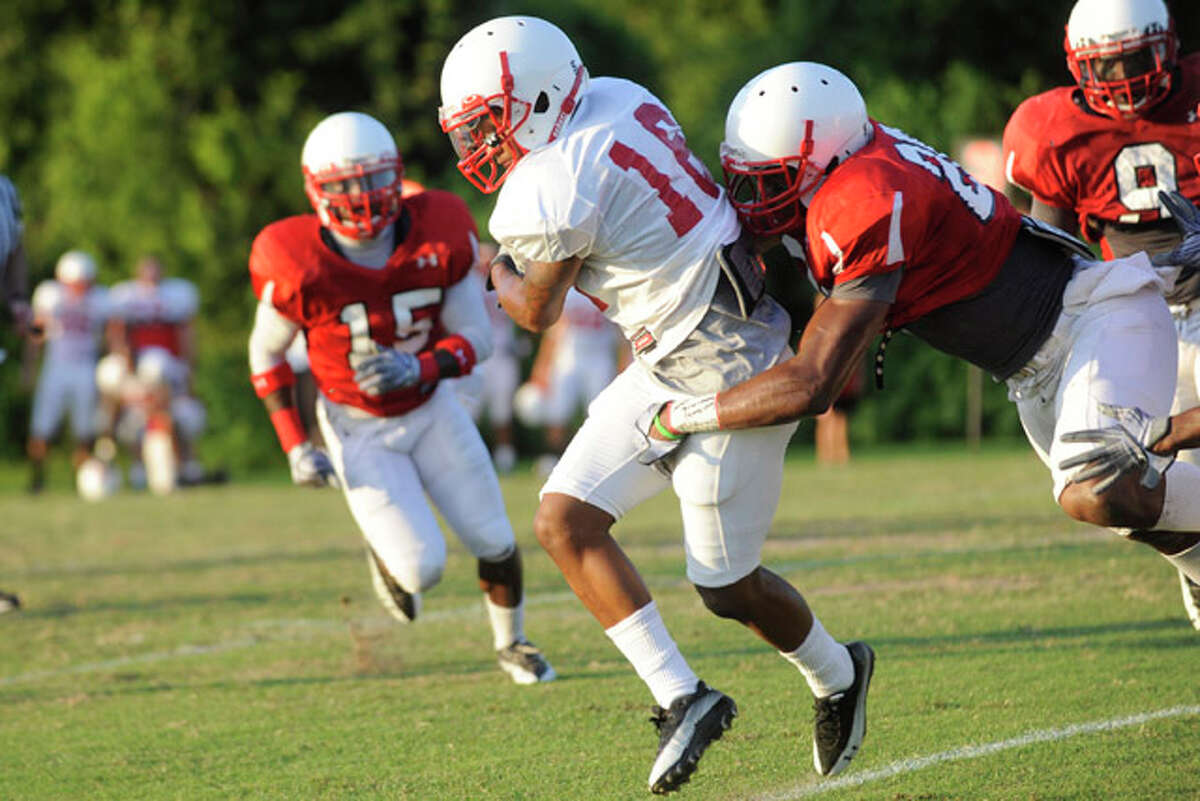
<point x="1187" y="217"/>
<point x="1121" y="448"/>
<point x="655" y="450"/>
<point x="387" y="370"/>
<point x="311" y="466"/>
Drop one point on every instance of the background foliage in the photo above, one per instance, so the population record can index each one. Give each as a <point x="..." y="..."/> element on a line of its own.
<point x="175" y="126"/>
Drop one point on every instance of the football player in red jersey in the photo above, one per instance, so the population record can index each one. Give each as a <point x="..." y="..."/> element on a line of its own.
<point x="1094" y="156"/>
<point x="901" y="237"/>
<point x="384" y="291"/>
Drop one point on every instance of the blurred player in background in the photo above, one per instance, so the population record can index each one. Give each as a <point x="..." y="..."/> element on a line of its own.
<point x="488" y="391"/>
<point x="384" y="290"/>
<point x="1095" y="156"/>
<point x="14" y="284"/>
<point x="150" y="329"/>
<point x="69" y="312"/>
<point x="598" y="190"/>
<point x="576" y="359"/>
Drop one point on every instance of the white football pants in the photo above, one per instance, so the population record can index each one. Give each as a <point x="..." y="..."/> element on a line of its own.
<point x="387" y="465"/>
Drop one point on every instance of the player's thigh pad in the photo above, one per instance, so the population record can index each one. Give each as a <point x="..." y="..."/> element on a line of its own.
<point x="600" y="465"/>
<point x="1123" y="352"/>
<point x="83" y="401"/>
<point x="728" y="485"/>
<point x="456" y="470"/>
<point x="383" y="489"/>
<point x="49" y="401"/>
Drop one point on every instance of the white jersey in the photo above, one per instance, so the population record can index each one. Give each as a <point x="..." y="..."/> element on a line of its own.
<point x="172" y="300"/>
<point x="620" y="189"/>
<point x="11" y="226"/>
<point x="72" y="321"/>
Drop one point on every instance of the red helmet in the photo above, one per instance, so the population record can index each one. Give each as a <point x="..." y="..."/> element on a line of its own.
<point x="1121" y="53"/>
<point x="352" y="174"/>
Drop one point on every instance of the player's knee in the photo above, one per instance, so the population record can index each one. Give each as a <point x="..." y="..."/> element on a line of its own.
<point x="730" y="601"/>
<point x="505" y="570"/>
<point x="1120" y="507"/>
<point x="566" y="523"/>
<point x="427" y="575"/>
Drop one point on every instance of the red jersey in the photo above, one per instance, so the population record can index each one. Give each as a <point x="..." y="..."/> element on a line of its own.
<point x="898" y="203"/>
<point x="346" y="309"/>
<point x="1106" y="170"/>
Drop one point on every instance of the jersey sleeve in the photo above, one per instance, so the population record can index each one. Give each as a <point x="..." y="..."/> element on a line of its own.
<point x="856" y="237"/>
<point x="181" y="299"/>
<point x="1030" y="160"/>
<point x="544" y="212"/>
<point x="273" y="277"/>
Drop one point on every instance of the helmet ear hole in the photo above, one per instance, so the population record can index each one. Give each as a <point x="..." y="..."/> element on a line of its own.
<point x="542" y="103"/>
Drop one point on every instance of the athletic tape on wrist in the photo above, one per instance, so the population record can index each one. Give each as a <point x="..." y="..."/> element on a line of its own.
<point x="694" y="415"/>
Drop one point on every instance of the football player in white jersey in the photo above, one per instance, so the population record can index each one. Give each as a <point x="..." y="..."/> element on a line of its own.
<point x="150" y="325"/>
<point x="69" y="312"/>
<point x="14" y="292"/>
<point x="598" y="190"/>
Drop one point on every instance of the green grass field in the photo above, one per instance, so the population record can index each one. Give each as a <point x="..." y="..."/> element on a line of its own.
<point x="224" y="644"/>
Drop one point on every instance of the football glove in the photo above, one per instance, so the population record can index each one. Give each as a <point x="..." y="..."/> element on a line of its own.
<point x="654" y="449"/>
<point x="1187" y="217"/>
<point x="1120" y="449"/>
<point x="311" y="466"/>
<point x="387" y="370"/>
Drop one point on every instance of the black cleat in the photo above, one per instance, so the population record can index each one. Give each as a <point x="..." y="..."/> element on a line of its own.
<point x="841" y="718"/>
<point x="9" y="602"/>
<point x="524" y="663"/>
<point x="399" y="603"/>
<point x="685" y="730"/>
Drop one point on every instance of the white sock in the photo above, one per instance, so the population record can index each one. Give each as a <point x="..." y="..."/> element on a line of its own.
<point x="508" y="623"/>
<point x="1188" y="562"/>
<point x="824" y="661"/>
<point x="643" y="639"/>
<point x="1181" y="504"/>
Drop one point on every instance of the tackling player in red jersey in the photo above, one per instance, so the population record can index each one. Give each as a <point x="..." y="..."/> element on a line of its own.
<point x="899" y="235"/>
<point x="1095" y="156"/>
<point x="382" y="286"/>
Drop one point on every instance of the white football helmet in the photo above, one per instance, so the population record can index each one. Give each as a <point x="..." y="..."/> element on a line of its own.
<point x="75" y="267"/>
<point x="352" y="174"/>
<point x="508" y="86"/>
<point x="1121" y="53"/>
<point x="785" y="130"/>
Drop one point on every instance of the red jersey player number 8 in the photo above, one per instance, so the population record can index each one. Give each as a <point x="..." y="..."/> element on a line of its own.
<point x="412" y="333"/>
<point x="682" y="212"/>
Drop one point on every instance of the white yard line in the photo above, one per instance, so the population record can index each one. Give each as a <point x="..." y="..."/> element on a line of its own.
<point x="913" y="764"/>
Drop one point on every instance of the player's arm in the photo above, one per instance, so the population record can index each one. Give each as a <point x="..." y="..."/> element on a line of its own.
<point x="1055" y="215"/>
<point x="274" y="384"/>
<point x="534" y="299"/>
<point x="831" y="348"/>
